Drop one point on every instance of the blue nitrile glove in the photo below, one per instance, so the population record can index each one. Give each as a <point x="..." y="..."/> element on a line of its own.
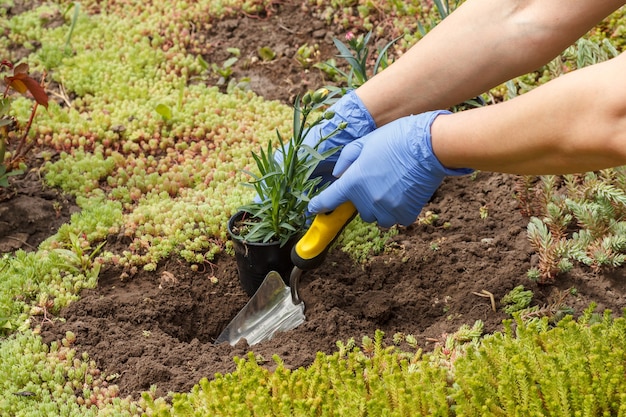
<point x="349" y="109"/>
<point x="390" y="174"/>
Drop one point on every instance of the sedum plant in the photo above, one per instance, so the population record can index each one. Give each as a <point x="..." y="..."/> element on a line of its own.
<point x="576" y="219"/>
<point x="573" y="369"/>
<point x="516" y="300"/>
<point x="284" y="182"/>
<point x="374" y="380"/>
<point x="531" y="368"/>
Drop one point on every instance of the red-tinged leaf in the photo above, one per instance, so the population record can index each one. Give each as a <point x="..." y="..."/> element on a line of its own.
<point x="22" y="82"/>
<point x="21" y="69"/>
<point x="6" y="63"/>
<point x="37" y="91"/>
<point x="16" y="84"/>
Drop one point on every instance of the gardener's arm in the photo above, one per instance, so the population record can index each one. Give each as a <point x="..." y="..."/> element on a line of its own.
<point x="575" y="123"/>
<point x="480" y="45"/>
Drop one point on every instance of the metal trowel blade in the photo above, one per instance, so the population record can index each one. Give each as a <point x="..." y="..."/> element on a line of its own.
<point x="271" y="309"/>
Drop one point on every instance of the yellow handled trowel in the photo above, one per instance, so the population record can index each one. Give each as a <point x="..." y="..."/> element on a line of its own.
<point x="275" y="307"/>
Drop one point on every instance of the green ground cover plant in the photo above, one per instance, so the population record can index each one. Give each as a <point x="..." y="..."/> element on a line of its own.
<point x="579" y="220"/>
<point x="156" y="181"/>
<point x="575" y="368"/>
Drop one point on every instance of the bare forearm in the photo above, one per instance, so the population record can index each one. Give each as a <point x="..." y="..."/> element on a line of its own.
<point x="575" y="123"/>
<point x="480" y="45"/>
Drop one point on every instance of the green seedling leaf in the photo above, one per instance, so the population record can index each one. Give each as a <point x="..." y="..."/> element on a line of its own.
<point x="164" y="111"/>
<point x="345" y="53"/>
<point x="266" y="53"/>
<point x="443" y="9"/>
<point x="329" y="67"/>
<point x="5" y="106"/>
<point x="205" y="65"/>
<point x="234" y="51"/>
<point x="252" y="174"/>
<point x="230" y="62"/>
<point x="4" y="175"/>
<point x="76" y="7"/>
<point x="382" y="56"/>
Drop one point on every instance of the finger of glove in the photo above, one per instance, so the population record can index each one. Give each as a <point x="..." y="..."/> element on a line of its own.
<point x="350" y="187"/>
<point x="384" y="204"/>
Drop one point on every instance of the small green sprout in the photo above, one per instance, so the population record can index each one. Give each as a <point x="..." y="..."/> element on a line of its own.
<point x="306" y="54"/>
<point x="266" y="53"/>
<point x="517" y="299"/>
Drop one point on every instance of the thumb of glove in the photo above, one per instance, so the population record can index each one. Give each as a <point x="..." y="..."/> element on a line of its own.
<point x="348" y="155"/>
<point x="327" y="201"/>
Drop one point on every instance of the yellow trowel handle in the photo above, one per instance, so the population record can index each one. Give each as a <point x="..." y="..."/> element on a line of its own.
<point x="311" y="249"/>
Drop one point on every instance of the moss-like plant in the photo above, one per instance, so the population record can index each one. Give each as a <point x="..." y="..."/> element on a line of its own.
<point x="361" y="240"/>
<point x="574" y="369"/>
<point x="284" y="182"/>
<point x="370" y="380"/>
<point x="517" y="299"/>
<point x="56" y="380"/>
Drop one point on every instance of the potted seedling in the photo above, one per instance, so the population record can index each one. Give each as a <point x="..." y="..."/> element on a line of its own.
<point x="264" y="231"/>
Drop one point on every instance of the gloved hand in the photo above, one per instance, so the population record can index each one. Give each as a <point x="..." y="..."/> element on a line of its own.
<point x="349" y="109"/>
<point x="390" y="174"/>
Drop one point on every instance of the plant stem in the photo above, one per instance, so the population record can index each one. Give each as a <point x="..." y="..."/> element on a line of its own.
<point x="3" y="146"/>
<point x="19" y="152"/>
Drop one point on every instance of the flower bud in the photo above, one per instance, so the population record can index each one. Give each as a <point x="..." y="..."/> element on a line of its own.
<point x="320" y="95"/>
<point x="329" y="115"/>
<point x="342" y="125"/>
<point x="306" y="99"/>
<point x="359" y="43"/>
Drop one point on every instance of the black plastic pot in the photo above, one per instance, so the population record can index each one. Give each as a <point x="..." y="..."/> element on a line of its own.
<point x="256" y="260"/>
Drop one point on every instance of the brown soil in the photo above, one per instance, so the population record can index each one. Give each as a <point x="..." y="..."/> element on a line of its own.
<point x="158" y="327"/>
<point x="30" y="213"/>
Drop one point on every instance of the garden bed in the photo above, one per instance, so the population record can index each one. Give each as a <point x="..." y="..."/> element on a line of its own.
<point x="157" y="327"/>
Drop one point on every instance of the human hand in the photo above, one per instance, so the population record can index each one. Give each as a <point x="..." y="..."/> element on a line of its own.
<point x="390" y="174"/>
<point x="349" y="109"/>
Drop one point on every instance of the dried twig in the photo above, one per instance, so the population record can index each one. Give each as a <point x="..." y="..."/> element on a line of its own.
<point x="487" y="294"/>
